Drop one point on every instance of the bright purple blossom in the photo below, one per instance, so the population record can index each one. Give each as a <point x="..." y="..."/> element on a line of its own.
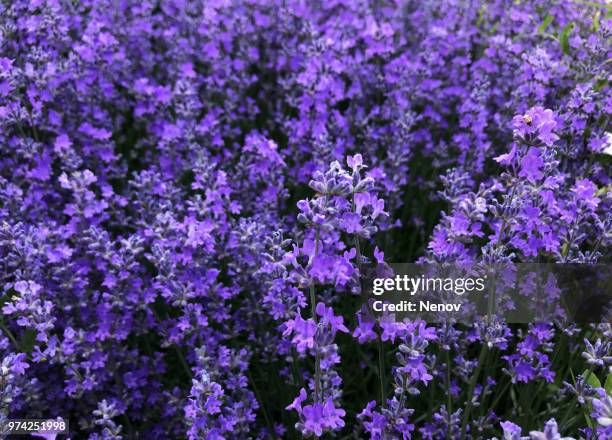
<point x="191" y="191"/>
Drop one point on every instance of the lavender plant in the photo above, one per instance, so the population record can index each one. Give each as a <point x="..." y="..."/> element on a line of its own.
<point x="190" y="192"/>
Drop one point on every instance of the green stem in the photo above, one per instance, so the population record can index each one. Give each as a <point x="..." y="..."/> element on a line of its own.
<point x="263" y="405"/>
<point x="313" y="308"/>
<point x="449" y="401"/>
<point x="177" y="350"/>
<point x="585" y="411"/>
<point x="569" y="410"/>
<point x="183" y="361"/>
<point x="472" y="386"/>
<point x="381" y="369"/>
<point x="500" y="395"/>
<point x="381" y="359"/>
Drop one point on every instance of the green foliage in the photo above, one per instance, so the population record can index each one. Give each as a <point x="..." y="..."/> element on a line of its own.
<point x="547" y="21"/>
<point x="608" y="384"/>
<point x="564" y="38"/>
<point x="27" y="341"/>
<point x="591" y="379"/>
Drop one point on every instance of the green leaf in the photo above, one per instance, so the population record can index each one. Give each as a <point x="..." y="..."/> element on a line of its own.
<point x="547" y="21"/>
<point x="600" y="84"/>
<point x="589" y="421"/>
<point x="3" y="300"/>
<point x="596" y="24"/>
<point x="591" y="379"/>
<point x="598" y="5"/>
<point x="564" y="38"/>
<point x="602" y="192"/>
<point x="481" y="14"/>
<point x="608" y="385"/>
<point x="28" y="340"/>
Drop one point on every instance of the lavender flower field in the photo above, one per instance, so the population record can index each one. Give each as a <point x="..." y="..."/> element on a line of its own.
<point x="190" y="192"/>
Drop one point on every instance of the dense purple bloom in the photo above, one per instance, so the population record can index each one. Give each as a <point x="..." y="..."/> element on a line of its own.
<point x="550" y="432"/>
<point x="511" y="431"/>
<point x="536" y="123"/>
<point x="598" y="354"/>
<point x="318" y="417"/>
<point x="602" y="413"/>
<point x="192" y="191"/>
